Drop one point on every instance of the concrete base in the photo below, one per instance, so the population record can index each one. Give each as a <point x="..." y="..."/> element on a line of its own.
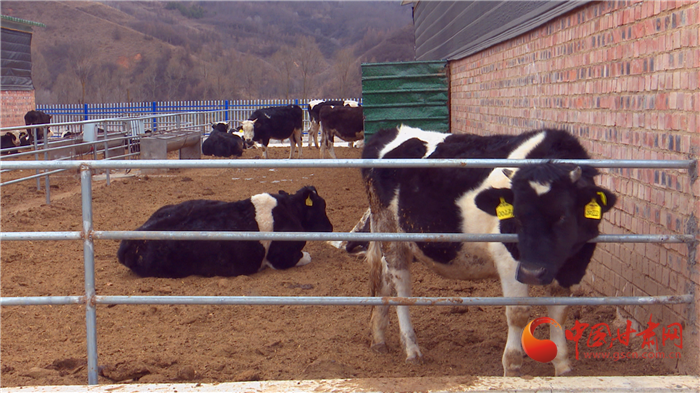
<point x="437" y="384"/>
<point x="156" y="147"/>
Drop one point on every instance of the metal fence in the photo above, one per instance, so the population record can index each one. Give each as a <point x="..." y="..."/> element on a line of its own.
<point x="90" y="299"/>
<point x="194" y="112"/>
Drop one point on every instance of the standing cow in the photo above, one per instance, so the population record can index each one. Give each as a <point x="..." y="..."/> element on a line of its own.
<point x="345" y="122"/>
<point x="37" y="117"/>
<point x="279" y="122"/>
<point x="221" y="143"/>
<point x="314" y="110"/>
<point x="304" y="211"/>
<point x="554" y="209"/>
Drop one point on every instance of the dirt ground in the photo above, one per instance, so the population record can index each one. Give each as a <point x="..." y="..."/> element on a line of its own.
<point x="45" y="345"/>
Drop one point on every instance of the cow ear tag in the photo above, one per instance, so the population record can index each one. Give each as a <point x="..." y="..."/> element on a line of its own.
<point x="504" y="210"/>
<point x="592" y="210"/>
<point x="308" y="201"/>
<point x="603" y="198"/>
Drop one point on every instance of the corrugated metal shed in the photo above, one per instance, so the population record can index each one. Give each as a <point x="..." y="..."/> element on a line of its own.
<point x="456" y="29"/>
<point x="16" y="56"/>
<point x="414" y="93"/>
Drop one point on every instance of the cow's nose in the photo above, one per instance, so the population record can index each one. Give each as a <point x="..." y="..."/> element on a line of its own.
<point x="531" y="276"/>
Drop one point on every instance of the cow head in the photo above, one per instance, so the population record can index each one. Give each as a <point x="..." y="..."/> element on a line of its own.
<point x="220" y="126"/>
<point x="312" y="208"/>
<point x="555" y="210"/>
<point x="248" y="127"/>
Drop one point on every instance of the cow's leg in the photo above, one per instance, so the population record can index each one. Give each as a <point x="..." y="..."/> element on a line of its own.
<point x="517" y="316"/>
<point x="331" y="141"/>
<point x="401" y="277"/>
<point x="313" y="134"/>
<point x="379" y="286"/>
<point x="387" y="273"/>
<point x="562" y="364"/>
<point x="324" y="138"/>
<point x="264" y="147"/>
<point x="298" y="136"/>
<point x="293" y="143"/>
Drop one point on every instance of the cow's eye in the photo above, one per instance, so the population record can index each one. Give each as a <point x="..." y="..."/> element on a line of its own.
<point x="561" y="220"/>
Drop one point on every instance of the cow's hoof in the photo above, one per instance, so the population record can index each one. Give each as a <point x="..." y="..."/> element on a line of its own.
<point x="415" y="359"/>
<point x="566" y="371"/>
<point x="512" y="372"/>
<point x="380" y="348"/>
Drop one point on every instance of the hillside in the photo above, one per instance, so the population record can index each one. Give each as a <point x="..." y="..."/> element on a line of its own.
<point x="116" y="51"/>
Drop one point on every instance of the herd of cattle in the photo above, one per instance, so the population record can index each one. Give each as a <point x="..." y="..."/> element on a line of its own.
<point x="554" y="209"/>
<point x="331" y="118"/>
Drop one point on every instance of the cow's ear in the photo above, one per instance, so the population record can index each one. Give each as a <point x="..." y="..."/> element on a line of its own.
<point x="604" y="198"/>
<point x="310" y="195"/>
<point x="490" y="199"/>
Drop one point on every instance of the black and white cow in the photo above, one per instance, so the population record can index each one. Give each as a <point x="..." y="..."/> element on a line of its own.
<point x="9" y="140"/>
<point x="277" y="122"/>
<point x="345" y="122"/>
<point x="37" y="117"/>
<point x="304" y="211"/>
<point x="554" y="208"/>
<point x="314" y="109"/>
<point x="221" y="143"/>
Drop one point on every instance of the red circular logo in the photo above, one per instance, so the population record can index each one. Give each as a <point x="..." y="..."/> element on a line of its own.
<point x="543" y="351"/>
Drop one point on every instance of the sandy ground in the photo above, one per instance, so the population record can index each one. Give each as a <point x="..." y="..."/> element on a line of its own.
<point x="45" y="345"/>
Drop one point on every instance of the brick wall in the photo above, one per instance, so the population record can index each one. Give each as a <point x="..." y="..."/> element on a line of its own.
<point x="15" y="103"/>
<point x="623" y="76"/>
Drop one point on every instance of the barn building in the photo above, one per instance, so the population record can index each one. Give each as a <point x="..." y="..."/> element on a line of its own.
<point x="623" y="77"/>
<point x="16" y="87"/>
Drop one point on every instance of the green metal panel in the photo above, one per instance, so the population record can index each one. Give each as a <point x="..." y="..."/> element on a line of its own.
<point x="414" y="93"/>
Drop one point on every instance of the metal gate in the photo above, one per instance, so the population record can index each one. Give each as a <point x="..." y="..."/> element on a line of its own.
<point x="87" y="235"/>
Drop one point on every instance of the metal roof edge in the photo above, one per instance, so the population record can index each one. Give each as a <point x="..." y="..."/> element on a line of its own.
<point x="19" y="21"/>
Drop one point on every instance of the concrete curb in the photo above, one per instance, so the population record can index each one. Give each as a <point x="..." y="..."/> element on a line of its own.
<point x="367" y="385"/>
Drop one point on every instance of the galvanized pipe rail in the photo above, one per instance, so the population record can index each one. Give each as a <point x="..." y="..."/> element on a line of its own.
<point x="88" y="235"/>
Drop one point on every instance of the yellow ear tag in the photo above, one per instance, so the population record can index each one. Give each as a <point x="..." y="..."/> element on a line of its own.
<point x="592" y="210"/>
<point x="504" y="210"/>
<point x="603" y="198"/>
<point x="308" y="201"/>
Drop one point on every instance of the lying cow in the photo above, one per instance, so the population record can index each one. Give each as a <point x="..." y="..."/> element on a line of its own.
<point x="278" y="122"/>
<point x="555" y="209"/>
<point x="221" y="143"/>
<point x="345" y="122"/>
<point x="8" y="141"/>
<point x="314" y="110"/>
<point x="36" y="117"/>
<point x="304" y="211"/>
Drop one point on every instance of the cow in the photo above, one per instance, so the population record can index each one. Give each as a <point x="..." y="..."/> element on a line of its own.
<point x="37" y="117"/>
<point x="304" y="211"/>
<point x="279" y="122"/>
<point x="314" y="107"/>
<point x="8" y="141"/>
<point x="554" y="208"/>
<point x="221" y="143"/>
<point x="345" y="122"/>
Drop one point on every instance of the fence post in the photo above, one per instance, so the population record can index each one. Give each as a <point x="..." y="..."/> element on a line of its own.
<point x="226" y="117"/>
<point x="85" y="111"/>
<point x="155" y="124"/>
<point x="89" y="262"/>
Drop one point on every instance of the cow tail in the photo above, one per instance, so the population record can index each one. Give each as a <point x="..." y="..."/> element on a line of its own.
<point x="374" y="258"/>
